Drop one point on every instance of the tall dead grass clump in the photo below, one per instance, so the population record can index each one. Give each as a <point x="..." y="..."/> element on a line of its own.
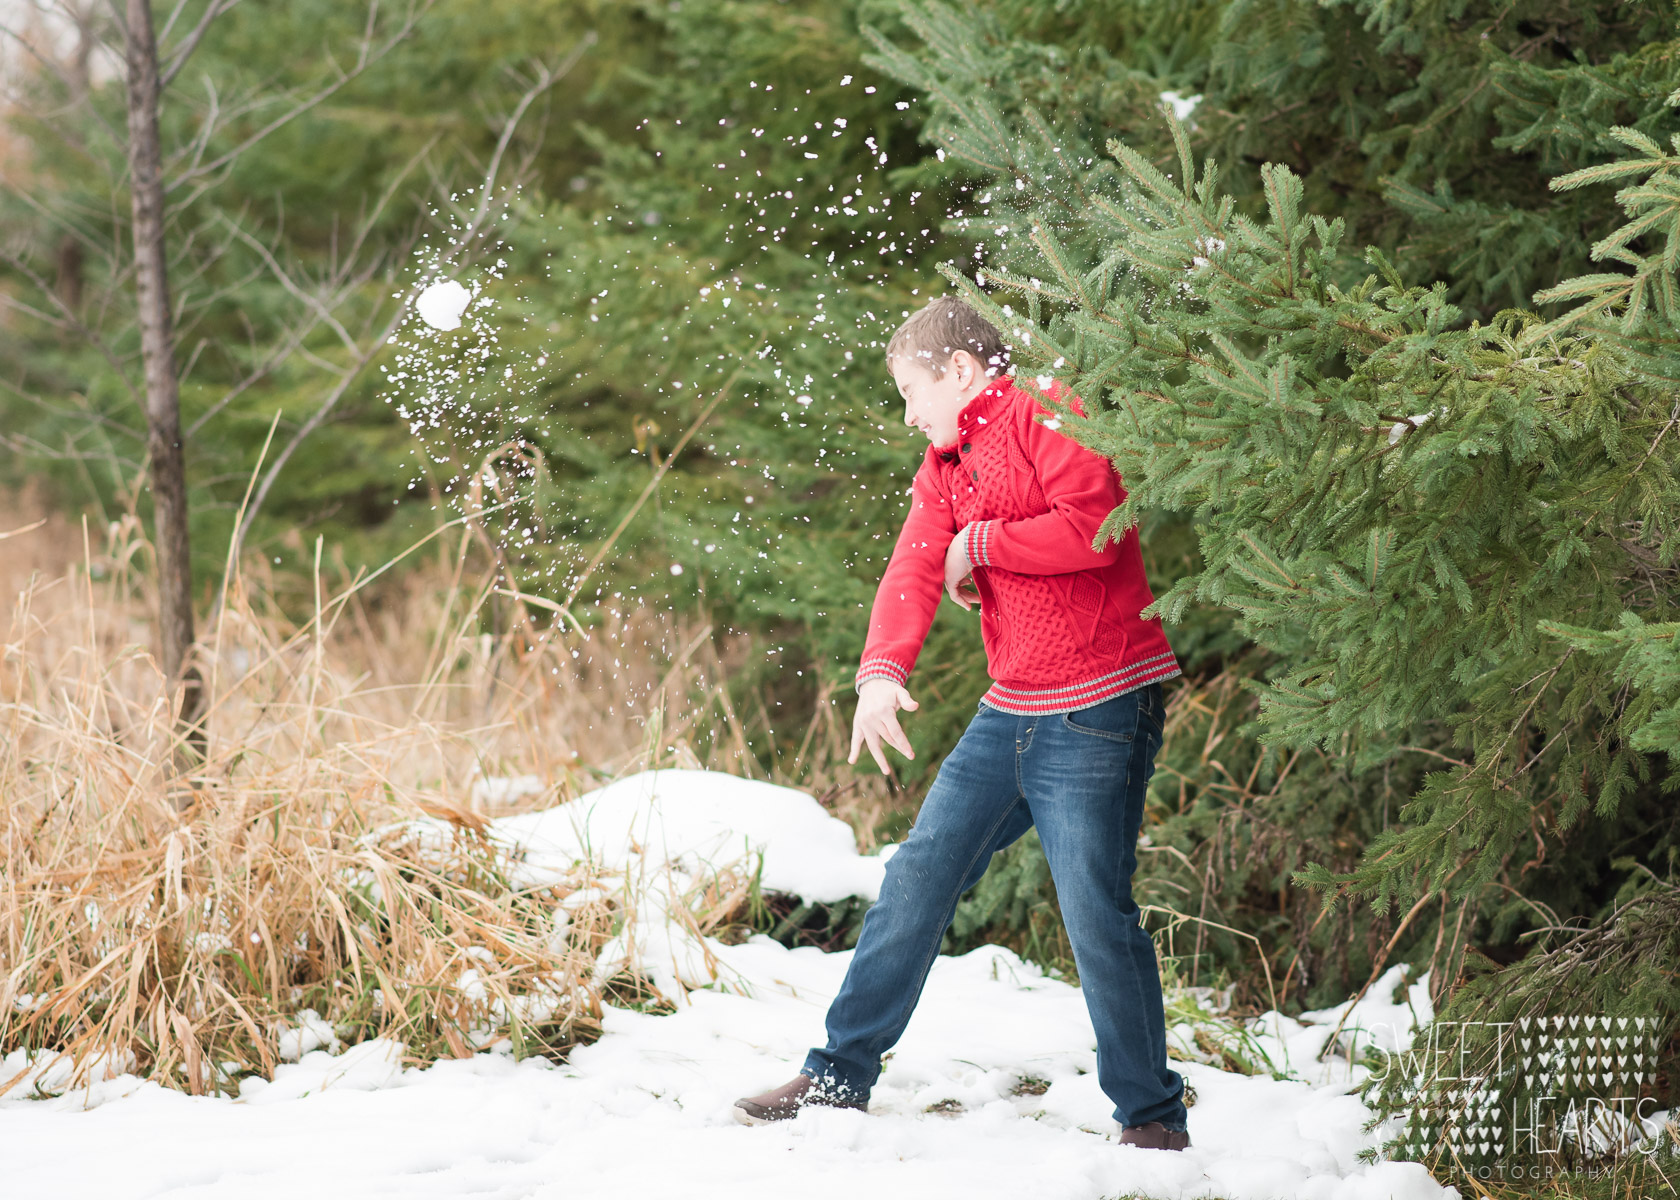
<point x="198" y="928"/>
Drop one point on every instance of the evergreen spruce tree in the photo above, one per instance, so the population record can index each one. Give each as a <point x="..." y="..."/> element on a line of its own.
<point x="1453" y="536"/>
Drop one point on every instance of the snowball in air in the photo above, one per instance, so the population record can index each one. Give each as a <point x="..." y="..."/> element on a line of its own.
<point x="442" y="304"/>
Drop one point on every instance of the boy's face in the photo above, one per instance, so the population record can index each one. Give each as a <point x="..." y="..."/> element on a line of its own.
<point x="932" y="401"/>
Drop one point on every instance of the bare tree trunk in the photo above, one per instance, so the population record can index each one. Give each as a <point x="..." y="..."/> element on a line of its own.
<point x="157" y="353"/>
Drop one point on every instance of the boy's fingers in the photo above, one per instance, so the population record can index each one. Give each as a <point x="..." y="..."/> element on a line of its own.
<point x="895" y="735"/>
<point x="880" y="759"/>
<point x="862" y="735"/>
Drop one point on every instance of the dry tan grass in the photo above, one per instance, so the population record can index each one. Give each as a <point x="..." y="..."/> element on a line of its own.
<point x="177" y="924"/>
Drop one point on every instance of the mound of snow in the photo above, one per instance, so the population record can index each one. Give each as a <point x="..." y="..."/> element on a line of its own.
<point x="695" y="821"/>
<point x="663" y="836"/>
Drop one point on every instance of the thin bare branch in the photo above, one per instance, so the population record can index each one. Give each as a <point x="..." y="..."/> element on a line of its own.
<point x="308" y="427"/>
<point x="39" y="314"/>
<point x="294" y="338"/>
<point x="192" y="359"/>
<point x="187" y="316"/>
<point x="29" y="447"/>
<point x="177" y="58"/>
<point x="174" y="16"/>
<point x="296" y="335"/>
<point x="57" y="216"/>
<point x="384" y="201"/>
<point x="324" y="364"/>
<point x="365" y="58"/>
<point x="309" y="299"/>
<point x="82" y="414"/>
<point x="78" y="97"/>
<point x="195" y="149"/>
<point x="546" y="78"/>
<point x="72" y="321"/>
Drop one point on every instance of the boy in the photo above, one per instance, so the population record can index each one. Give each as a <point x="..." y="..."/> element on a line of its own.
<point x="1003" y="511"/>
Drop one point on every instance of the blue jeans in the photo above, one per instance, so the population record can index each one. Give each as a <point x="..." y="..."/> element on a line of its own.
<point x="1080" y="776"/>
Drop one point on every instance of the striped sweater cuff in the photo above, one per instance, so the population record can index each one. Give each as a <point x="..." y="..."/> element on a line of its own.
<point x="977" y="543"/>
<point x="881" y="668"/>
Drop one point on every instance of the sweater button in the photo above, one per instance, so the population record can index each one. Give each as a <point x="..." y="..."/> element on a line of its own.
<point x="976" y="476"/>
<point x="967" y="447"/>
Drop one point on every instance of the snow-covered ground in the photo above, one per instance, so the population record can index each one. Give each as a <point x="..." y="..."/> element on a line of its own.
<point x="645" y="1111"/>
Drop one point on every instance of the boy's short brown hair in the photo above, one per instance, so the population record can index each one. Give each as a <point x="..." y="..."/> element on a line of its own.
<point x="943" y="326"/>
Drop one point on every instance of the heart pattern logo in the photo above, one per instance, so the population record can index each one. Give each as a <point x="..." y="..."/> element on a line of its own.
<point x="1585" y="1053"/>
<point x="1464" y="1122"/>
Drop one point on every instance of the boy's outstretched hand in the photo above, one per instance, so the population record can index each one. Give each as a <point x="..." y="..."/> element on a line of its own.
<point x="874" y="721"/>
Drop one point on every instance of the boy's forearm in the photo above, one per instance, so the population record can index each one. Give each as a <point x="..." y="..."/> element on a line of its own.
<point x="900" y="618"/>
<point x="908" y="597"/>
<point x="1049" y="544"/>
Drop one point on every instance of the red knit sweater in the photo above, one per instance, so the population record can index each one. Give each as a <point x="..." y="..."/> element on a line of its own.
<point x="1059" y="620"/>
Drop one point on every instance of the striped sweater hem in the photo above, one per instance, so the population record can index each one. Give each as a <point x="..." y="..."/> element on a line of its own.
<point x="1031" y="701"/>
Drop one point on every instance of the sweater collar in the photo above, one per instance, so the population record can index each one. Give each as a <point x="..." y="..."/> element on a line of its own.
<point x="979" y="412"/>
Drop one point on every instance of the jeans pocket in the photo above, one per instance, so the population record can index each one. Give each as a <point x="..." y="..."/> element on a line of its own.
<point x="1116" y="719"/>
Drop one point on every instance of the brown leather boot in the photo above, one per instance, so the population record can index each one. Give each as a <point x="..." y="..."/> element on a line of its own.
<point x="785" y="1102"/>
<point x="1154" y="1136"/>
